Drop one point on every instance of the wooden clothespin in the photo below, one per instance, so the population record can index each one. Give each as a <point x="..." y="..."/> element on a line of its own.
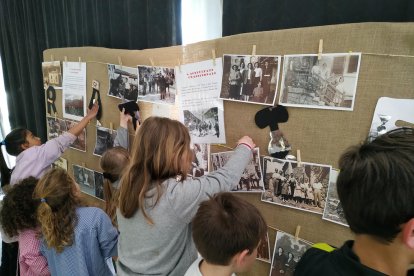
<point x="66" y="60"/>
<point x="111" y="127"/>
<point x="297" y="232"/>
<point x="179" y="65"/>
<point x="83" y="164"/>
<point x="120" y="62"/>
<point x="320" y="50"/>
<point x="213" y="56"/>
<point x="80" y="62"/>
<point x="55" y="115"/>
<point x="151" y="61"/>
<point x="298" y="158"/>
<point x="254" y="50"/>
<point x="52" y="58"/>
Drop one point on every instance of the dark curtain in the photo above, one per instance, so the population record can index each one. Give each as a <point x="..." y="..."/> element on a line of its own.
<point x="244" y="16"/>
<point x="29" y="27"/>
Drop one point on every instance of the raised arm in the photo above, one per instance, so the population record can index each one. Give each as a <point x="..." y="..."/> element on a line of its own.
<point x="77" y="129"/>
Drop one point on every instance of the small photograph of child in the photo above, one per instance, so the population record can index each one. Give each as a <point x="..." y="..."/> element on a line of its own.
<point x="251" y="179"/>
<point x="104" y="140"/>
<point x="263" y="251"/>
<point x="200" y="160"/>
<point x="123" y="82"/>
<point x="333" y="208"/>
<point x="301" y="187"/>
<point x="287" y="253"/>
<point x="250" y="79"/>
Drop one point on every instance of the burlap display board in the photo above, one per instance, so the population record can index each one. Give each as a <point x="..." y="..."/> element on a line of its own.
<point x="321" y="135"/>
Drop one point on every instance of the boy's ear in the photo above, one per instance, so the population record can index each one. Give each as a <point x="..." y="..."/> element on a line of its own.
<point x="25" y="146"/>
<point x="408" y="233"/>
<point x="240" y="258"/>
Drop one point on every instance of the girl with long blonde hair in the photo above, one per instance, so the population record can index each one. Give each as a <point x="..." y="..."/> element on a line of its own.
<point x="76" y="240"/>
<point x="157" y="200"/>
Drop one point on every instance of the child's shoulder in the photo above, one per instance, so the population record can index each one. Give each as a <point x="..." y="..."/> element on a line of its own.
<point x="86" y="213"/>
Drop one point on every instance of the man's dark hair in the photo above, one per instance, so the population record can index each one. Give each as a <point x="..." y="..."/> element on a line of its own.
<point x="226" y="225"/>
<point x="376" y="184"/>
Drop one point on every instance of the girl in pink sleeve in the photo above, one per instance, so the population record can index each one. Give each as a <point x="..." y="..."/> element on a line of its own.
<point x="18" y="219"/>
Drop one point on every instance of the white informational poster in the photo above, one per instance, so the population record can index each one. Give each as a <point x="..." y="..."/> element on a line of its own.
<point x="74" y="90"/>
<point x="201" y="109"/>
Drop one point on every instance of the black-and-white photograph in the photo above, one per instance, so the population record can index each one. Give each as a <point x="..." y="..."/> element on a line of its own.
<point x="60" y="163"/>
<point x="327" y="83"/>
<point x="263" y="250"/>
<point x="55" y="126"/>
<point x="287" y="253"/>
<point x="203" y="123"/>
<point x="251" y="180"/>
<point x="74" y="105"/>
<point x="99" y="181"/>
<point x="199" y="164"/>
<point x="301" y="187"/>
<point x="104" y="140"/>
<point x="157" y="84"/>
<point x="52" y="74"/>
<point x="80" y="142"/>
<point x="85" y="178"/>
<point x="123" y="82"/>
<point x="250" y="79"/>
<point x="333" y="209"/>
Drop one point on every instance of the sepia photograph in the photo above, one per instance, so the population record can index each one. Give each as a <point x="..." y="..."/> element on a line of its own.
<point x="333" y="209"/>
<point x="326" y="83"/>
<point x="80" y="142"/>
<point x="99" y="181"/>
<point x="251" y="180"/>
<point x="300" y="187"/>
<point x="250" y="79"/>
<point x="202" y="123"/>
<point x="263" y="250"/>
<point x="55" y="127"/>
<point x="286" y="254"/>
<point x="201" y="152"/>
<point x="157" y="84"/>
<point x="123" y="82"/>
<point x="104" y="140"/>
<point x="52" y="74"/>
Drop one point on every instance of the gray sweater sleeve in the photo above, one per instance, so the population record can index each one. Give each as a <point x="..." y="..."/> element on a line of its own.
<point x="185" y="197"/>
<point x="122" y="138"/>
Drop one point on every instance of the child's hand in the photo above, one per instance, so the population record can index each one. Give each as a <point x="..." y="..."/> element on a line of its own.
<point x="246" y="140"/>
<point x="93" y="111"/>
<point x="124" y="119"/>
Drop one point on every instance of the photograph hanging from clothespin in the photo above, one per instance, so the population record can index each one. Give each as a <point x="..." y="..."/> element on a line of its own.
<point x="254" y="50"/>
<point x="151" y="61"/>
<point x="213" y="56"/>
<point x="298" y="158"/>
<point x="320" y="50"/>
<point x="120" y="62"/>
<point x="297" y="232"/>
